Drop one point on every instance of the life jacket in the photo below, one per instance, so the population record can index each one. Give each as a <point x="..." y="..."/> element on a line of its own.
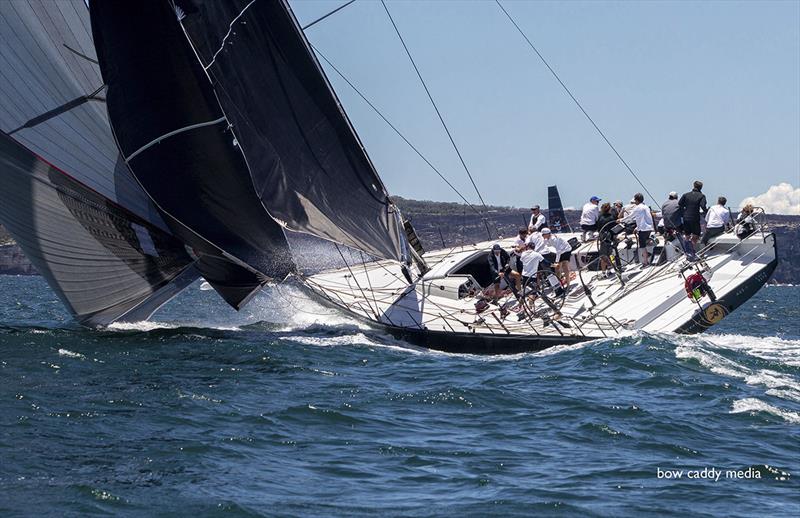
<point x="696" y="286"/>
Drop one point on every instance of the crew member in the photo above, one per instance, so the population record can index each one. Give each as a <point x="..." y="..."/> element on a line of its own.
<point x="745" y="222"/>
<point x="691" y="205"/>
<point x="640" y="215"/>
<point x="522" y="235"/>
<point x="605" y="222"/>
<point x="616" y="209"/>
<point x="538" y="220"/>
<point x="717" y="219"/>
<point x="671" y="212"/>
<point x="531" y="259"/>
<point x="499" y="268"/>
<point x="589" y="216"/>
<point x="558" y="252"/>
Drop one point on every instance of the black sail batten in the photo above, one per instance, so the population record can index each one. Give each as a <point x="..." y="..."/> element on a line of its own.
<point x="308" y="166"/>
<point x="67" y="197"/>
<point x="171" y="128"/>
<point x="103" y="261"/>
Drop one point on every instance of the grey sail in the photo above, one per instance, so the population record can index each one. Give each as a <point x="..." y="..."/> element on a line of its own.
<point x="308" y="166"/>
<point x="66" y="196"/>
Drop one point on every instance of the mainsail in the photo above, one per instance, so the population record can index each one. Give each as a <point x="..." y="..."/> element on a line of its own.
<point x="307" y="164"/>
<point x="67" y="197"/>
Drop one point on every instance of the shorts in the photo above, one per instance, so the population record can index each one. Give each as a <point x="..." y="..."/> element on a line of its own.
<point x="691" y="228"/>
<point x="606" y="248"/>
<point x="643" y="236"/>
<point x="587" y="228"/>
<point x="565" y="256"/>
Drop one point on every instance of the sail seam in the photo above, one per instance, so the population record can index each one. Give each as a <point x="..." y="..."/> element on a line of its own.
<point x="172" y="134"/>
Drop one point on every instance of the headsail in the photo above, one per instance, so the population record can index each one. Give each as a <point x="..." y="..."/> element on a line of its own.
<point x="307" y="164"/>
<point x="66" y="197"/>
<point x="178" y="142"/>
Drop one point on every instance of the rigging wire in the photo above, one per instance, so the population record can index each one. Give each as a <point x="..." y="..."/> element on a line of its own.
<point x="574" y="99"/>
<point x="394" y="128"/>
<point x="438" y="113"/>
<point x="326" y="15"/>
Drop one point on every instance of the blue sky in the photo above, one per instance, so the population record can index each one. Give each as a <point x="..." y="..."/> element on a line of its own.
<point x="685" y="90"/>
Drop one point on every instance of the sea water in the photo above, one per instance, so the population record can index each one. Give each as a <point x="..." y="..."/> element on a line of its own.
<point x="290" y="408"/>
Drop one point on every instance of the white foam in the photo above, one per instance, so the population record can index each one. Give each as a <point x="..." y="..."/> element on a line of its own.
<point x="752" y="405"/>
<point x="712" y="361"/>
<point x="70" y="354"/>
<point x="778" y="384"/>
<point x="144" y="325"/>
<point x="771" y="348"/>
<point x="149" y="325"/>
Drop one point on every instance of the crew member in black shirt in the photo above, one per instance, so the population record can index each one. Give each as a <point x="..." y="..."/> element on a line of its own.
<point x="691" y="205"/>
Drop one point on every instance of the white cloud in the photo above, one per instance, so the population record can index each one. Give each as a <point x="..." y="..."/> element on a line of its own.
<point x="779" y="199"/>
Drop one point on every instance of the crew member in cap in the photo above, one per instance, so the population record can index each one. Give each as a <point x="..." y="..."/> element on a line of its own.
<point x="499" y="268"/>
<point x="589" y="216"/>
<point x="538" y="221"/>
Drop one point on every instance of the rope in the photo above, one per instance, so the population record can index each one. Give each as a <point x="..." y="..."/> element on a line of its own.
<point x="436" y="108"/>
<point x="352" y="275"/>
<point x="577" y="103"/>
<point x="394" y="128"/>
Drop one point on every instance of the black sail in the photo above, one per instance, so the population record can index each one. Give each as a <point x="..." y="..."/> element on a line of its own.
<point x="65" y="194"/>
<point x="178" y="142"/>
<point x="555" y="209"/>
<point x="307" y="164"/>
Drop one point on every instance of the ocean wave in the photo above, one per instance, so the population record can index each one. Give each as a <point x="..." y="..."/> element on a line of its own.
<point x="146" y="326"/>
<point x="770" y="348"/>
<point x="754" y="405"/>
<point x="781" y="385"/>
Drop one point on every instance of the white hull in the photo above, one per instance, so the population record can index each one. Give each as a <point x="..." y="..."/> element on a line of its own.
<point x="652" y="299"/>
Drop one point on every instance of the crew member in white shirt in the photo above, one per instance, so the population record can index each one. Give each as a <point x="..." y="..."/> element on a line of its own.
<point x="530" y="259"/>
<point x="538" y="221"/>
<point x="522" y="235"/>
<point x="558" y="252"/>
<point x="717" y="218"/>
<point x="535" y="239"/>
<point x="641" y="215"/>
<point x="589" y="216"/>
